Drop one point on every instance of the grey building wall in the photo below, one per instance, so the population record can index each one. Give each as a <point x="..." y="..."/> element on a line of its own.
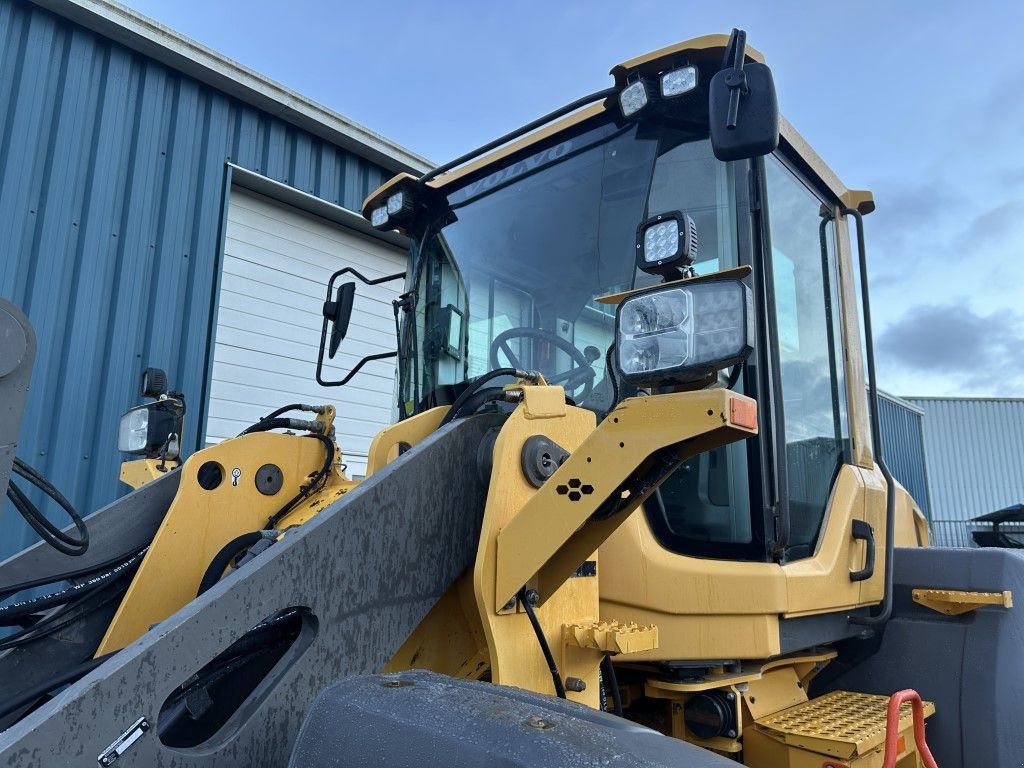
<point x="975" y="449"/>
<point x="112" y="191"/>
<point x="902" y="431"/>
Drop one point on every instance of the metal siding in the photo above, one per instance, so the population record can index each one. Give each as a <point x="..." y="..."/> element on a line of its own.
<point x="975" y="450"/>
<point x="111" y="196"/>
<point x="903" y="447"/>
<point x="276" y="261"/>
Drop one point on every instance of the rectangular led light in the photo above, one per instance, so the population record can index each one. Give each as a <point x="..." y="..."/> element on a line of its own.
<point x="633" y="98"/>
<point x="379" y="216"/>
<point x="684" y="333"/>
<point x="678" y="81"/>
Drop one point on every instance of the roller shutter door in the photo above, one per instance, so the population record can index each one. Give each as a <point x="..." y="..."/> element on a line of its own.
<point x="277" y="261"/>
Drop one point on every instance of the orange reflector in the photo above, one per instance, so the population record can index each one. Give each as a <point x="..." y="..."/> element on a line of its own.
<point x="901" y="745"/>
<point x="743" y="412"/>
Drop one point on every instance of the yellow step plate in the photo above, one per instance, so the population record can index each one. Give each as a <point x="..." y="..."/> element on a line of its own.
<point x="611" y="636"/>
<point x="841" y="724"/>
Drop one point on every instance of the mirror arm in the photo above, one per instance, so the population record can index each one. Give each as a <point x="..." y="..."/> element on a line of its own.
<point x="362" y="277"/>
<point x="328" y="310"/>
<point x="735" y="79"/>
<point x="348" y="377"/>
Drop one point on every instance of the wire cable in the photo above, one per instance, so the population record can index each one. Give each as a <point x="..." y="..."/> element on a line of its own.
<point x="609" y="369"/>
<point x="523" y="596"/>
<point x="608" y="675"/>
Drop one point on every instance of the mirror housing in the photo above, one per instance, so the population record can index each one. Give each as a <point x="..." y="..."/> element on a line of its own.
<point x="338" y="313"/>
<point x="743" y="109"/>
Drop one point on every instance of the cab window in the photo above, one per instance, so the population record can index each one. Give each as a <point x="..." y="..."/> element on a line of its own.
<point x="809" y="336"/>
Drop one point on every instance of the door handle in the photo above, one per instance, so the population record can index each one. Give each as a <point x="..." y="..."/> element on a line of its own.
<point x="864" y="532"/>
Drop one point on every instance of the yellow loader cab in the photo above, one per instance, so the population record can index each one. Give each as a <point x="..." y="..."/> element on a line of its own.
<point x="513" y="253"/>
<point x="632" y="510"/>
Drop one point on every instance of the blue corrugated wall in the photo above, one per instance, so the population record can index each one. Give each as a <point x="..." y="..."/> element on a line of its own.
<point x="112" y="171"/>
<point x="975" y="453"/>
<point x="902" y="434"/>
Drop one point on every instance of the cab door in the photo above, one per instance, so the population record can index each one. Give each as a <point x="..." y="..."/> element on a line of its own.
<point x="825" y="493"/>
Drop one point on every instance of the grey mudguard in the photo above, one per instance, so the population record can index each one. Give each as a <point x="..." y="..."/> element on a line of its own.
<point x="421" y="719"/>
<point x="368" y="568"/>
<point x="971" y="666"/>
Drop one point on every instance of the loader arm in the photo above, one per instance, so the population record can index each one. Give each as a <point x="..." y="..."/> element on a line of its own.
<point x="362" y="574"/>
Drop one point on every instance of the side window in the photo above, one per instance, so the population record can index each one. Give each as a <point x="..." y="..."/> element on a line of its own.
<point x="809" y="336"/>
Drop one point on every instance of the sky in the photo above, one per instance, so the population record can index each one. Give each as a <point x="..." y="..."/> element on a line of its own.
<point x="920" y="102"/>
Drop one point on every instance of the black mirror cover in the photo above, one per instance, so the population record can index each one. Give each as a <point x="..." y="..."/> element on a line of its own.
<point x="757" y="126"/>
<point x="341" y="315"/>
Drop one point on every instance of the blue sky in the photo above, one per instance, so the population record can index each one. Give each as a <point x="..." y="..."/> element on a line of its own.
<point x="921" y="102"/>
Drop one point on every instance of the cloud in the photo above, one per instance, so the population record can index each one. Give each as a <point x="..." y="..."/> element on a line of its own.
<point x="978" y="354"/>
<point x="995" y="227"/>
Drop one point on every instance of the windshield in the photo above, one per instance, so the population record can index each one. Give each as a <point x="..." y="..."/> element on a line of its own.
<point x="508" y="275"/>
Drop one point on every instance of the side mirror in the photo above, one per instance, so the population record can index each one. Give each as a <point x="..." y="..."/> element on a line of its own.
<point x="743" y="110"/>
<point x="338" y="313"/>
<point x="452" y="342"/>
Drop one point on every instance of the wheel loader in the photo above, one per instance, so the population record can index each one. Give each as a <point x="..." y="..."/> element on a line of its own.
<point x="632" y="511"/>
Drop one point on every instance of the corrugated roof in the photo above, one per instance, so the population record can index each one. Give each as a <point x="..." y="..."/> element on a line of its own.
<point x="159" y="43"/>
<point x="975" y="452"/>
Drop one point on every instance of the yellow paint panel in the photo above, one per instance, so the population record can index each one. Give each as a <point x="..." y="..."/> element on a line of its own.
<point x="200" y="522"/>
<point x="136" y="474"/>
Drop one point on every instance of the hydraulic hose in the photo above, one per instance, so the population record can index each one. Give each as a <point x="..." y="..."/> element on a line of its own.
<point x="472" y="388"/>
<point x="479" y="399"/>
<point x="13" y="612"/>
<point x="65" y="615"/>
<point x="476" y="384"/>
<point x="51" y="534"/>
<point x="314" y="485"/>
<point x="227" y="553"/>
<point x="273" y="421"/>
<point x="43" y="581"/>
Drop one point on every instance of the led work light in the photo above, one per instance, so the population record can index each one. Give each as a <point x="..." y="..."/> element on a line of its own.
<point x="678" y="81"/>
<point x="683" y="333"/>
<point x="666" y="244"/>
<point x="396" y="211"/>
<point x="379" y="216"/>
<point x="633" y="98"/>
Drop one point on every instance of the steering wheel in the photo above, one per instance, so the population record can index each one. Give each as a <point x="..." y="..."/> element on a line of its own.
<point x="581" y="375"/>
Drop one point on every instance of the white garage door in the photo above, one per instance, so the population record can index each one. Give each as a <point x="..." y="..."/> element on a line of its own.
<point x="277" y="261"/>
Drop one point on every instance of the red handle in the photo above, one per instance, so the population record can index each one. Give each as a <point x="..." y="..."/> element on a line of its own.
<point x="892" y="729"/>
